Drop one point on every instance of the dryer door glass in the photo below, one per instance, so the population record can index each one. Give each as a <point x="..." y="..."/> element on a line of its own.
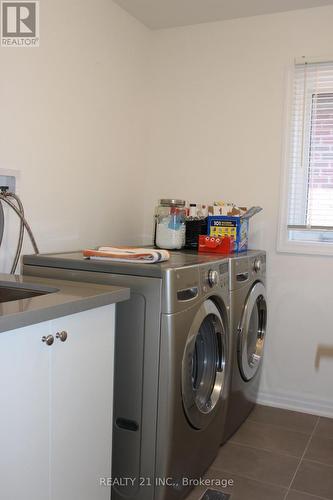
<point x="252" y="332"/>
<point x="203" y="366"/>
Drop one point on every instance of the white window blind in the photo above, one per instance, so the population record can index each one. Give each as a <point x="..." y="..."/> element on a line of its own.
<point x="310" y="196"/>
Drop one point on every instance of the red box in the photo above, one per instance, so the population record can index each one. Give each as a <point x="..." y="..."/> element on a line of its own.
<point x="211" y="244"/>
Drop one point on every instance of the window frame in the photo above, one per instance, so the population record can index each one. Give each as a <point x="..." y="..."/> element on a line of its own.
<point x="284" y="244"/>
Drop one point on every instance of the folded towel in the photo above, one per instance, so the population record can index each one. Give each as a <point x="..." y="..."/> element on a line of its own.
<point x="128" y="254"/>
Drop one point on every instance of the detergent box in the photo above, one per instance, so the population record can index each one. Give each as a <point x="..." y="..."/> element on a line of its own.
<point x="236" y="227"/>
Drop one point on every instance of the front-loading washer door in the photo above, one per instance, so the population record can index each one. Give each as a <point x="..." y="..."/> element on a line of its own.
<point x="204" y="365"/>
<point x="252" y="331"/>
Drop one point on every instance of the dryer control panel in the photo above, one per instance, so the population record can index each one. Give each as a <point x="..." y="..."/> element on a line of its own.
<point x="257" y="265"/>
<point x="246" y="268"/>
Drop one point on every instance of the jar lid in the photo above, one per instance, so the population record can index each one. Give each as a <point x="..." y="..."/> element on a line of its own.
<point x="172" y="203"/>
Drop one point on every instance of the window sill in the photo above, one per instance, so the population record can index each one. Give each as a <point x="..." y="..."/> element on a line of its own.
<point x="305" y="247"/>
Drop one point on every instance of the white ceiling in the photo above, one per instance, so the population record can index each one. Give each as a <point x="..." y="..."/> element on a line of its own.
<point x="169" y="13"/>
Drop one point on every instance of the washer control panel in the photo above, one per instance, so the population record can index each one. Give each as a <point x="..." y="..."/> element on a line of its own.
<point x="224" y="274"/>
<point x="214" y="275"/>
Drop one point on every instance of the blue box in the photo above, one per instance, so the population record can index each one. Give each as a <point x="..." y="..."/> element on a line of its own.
<point x="236" y="228"/>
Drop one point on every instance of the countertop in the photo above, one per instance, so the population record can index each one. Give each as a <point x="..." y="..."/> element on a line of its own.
<point x="75" y="260"/>
<point x="61" y="298"/>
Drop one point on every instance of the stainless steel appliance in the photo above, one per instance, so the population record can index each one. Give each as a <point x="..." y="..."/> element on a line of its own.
<point x="171" y="366"/>
<point x="248" y="318"/>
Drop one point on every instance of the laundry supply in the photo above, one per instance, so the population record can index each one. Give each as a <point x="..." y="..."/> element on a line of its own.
<point x="170" y="224"/>
<point x="234" y="225"/>
<point x="127" y="254"/>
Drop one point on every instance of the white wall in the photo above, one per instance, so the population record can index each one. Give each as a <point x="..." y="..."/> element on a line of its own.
<point x="217" y="132"/>
<point x="73" y="123"/>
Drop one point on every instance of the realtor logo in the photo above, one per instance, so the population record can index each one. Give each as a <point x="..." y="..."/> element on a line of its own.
<point x="20" y="24"/>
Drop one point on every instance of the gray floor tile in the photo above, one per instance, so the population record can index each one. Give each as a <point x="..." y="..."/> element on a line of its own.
<point x="325" y="427"/>
<point x="271" y="437"/>
<point x="314" y="478"/>
<point x="297" y="495"/>
<point x="246" y="489"/>
<point x="292" y="420"/>
<point x="196" y="493"/>
<point x="320" y="450"/>
<point x="256" y="464"/>
<point x="262" y="457"/>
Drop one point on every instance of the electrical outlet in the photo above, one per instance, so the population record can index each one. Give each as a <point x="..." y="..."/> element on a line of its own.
<point x="8" y="180"/>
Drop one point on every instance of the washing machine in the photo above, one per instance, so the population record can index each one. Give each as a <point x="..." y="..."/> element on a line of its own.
<point x="248" y="319"/>
<point x="172" y="366"/>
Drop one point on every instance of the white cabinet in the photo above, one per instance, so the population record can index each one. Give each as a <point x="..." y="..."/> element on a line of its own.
<point x="24" y="414"/>
<point x="81" y="406"/>
<point x="56" y="408"/>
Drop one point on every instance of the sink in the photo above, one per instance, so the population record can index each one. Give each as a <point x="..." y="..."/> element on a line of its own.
<point x="19" y="291"/>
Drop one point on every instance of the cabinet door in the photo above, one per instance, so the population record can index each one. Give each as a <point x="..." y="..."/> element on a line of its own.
<point x="81" y="413"/>
<point x="24" y="413"/>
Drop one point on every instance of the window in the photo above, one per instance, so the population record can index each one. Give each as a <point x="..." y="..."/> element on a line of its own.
<point x="307" y="219"/>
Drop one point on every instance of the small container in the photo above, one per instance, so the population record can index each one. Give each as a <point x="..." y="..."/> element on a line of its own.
<point x="210" y="244"/>
<point x="194" y="227"/>
<point x="170" y="224"/>
<point x="193" y="210"/>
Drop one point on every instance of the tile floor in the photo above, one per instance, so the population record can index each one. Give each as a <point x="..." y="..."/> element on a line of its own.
<point x="276" y="455"/>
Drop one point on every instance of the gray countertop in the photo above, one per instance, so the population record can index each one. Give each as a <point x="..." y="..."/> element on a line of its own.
<point x="60" y="298"/>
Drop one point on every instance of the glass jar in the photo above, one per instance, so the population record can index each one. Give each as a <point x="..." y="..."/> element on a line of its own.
<point x="170" y="224"/>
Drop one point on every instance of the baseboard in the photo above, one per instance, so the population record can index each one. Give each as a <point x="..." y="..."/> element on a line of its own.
<point x="323" y="408"/>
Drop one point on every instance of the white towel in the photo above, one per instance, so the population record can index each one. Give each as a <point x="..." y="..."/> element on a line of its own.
<point x="128" y="254"/>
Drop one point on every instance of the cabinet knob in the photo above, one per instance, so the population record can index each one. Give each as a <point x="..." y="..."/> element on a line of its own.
<point x="49" y="339"/>
<point x="62" y="336"/>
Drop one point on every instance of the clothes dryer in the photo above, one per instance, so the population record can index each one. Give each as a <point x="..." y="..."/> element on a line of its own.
<point x="248" y="319"/>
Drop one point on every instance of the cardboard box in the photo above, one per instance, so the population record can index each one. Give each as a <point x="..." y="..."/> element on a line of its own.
<point x="236" y="228"/>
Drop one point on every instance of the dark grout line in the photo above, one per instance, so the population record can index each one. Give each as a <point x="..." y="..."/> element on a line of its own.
<point x="301" y="459"/>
